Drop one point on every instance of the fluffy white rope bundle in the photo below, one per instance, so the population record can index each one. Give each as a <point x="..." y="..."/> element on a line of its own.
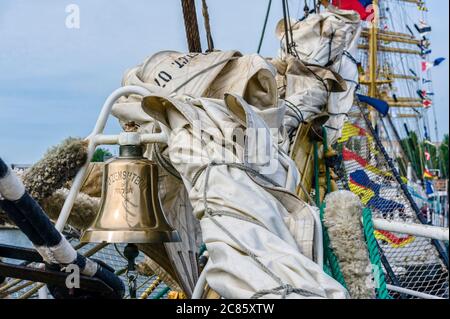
<point x="45" y="181"/>
<point x="343" y="219"/>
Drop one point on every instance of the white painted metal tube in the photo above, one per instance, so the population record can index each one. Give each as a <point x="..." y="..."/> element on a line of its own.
<point x="318" y="238"/>
<point x="154" y="138"/>
<point x="200" y="285"/>
<point x="412" y="292"/>
<point x="102" y="139"/>
<point x="112" y="98"/>
<point x="98" y="129"/>
<point x="427" y="231"/>
<point x="147" y="138"/>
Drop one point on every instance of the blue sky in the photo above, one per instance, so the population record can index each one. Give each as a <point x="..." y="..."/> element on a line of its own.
<point x="53" y="80"/>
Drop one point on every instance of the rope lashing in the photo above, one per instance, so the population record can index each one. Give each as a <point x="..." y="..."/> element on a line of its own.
<point x="150" y="288"/>
<point x="374" y="255"/>
<point x="283" y="289"/>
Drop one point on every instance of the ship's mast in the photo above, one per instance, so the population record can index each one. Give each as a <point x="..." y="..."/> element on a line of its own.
<point x="373" y="63"/>
<point x="373" y="51"/>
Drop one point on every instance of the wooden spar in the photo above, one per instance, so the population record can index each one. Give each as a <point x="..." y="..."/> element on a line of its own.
<point x="391" y="38"/>
<point x="403" y="99"/>
<point x="391" y="33"/>
<point x="404" y="77"/>
<point x="191" y="25"/>
<point x="378" y="82"/>
<point x="389" y="49"/>
<point x="411" y="1"/>
<point x="406" y="116"/>
<point x="389" y="78"/>
<point x="404" y="102"/>
<point x="405" y="105"/>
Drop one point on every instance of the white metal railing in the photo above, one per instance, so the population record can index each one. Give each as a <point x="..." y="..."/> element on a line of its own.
<point x="98" y="138"/>
<point x="428" y="231"/>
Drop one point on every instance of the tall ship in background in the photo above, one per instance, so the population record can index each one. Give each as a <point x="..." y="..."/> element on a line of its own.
<point x="395" y="59"/>
<point x="397" y="69"/>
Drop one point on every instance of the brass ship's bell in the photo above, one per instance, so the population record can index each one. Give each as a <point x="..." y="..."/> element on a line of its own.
<point x="130" y="210"/>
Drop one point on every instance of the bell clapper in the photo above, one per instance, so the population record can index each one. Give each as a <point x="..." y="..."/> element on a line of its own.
<point x="131" y="252"/>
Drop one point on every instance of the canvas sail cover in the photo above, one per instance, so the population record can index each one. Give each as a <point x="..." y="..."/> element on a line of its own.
<point x="322" y="74"/>
<point x="225" y="144"/>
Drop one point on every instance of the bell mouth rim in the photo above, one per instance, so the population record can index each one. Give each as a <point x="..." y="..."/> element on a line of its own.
<point x="135" y="236"/>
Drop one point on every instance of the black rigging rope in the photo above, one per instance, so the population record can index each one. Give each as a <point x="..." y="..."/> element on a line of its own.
<point x="286" y="32"/>
<point x="263" y="32"/>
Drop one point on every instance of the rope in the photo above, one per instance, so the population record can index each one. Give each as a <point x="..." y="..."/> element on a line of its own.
<point x="286" y="29"/>
<point x="209" y="38"/>
<point x="164" y="163"/>
<point x="263" y="32"/>
<point x="160" y="294"/>
<point x="235" y="165"/>
<point x="237" y="216"/>
<point x="150" y="288"/>
<point x="374" y="255"/>
<point x="191" y="26"/>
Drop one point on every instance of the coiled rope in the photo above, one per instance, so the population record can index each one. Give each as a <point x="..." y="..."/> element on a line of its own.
<point x="374" y="255"/>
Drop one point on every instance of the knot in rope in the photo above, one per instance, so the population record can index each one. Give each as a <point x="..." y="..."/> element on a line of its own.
<point x="284" y="291"/>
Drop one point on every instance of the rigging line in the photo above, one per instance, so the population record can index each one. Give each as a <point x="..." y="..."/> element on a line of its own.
<point x="261" y="39"/>
<point x="286" y="32"/>
<point x="206" y="19"/>
<point x="306" y="9"/>
<point x="191" y="26"/>
<point x="293" y="44"/>
<point x="297" y="113"/>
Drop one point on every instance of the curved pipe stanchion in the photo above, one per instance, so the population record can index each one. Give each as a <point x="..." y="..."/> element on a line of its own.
<point x="98" y="129"/>
<point x="318" y="239"/>
<point x="200" y="285"/>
